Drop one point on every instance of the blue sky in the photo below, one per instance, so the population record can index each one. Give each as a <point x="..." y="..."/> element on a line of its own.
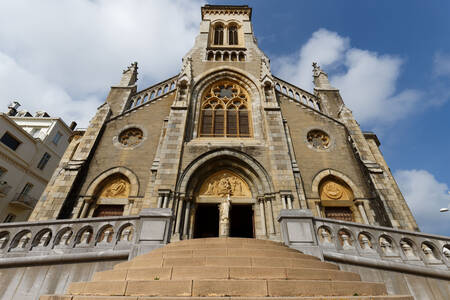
<point x="390" y="59"/>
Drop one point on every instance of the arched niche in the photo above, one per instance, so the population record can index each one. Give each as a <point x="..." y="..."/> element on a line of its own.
<point x="109" y="194"/>
<point x="336" y="199"/>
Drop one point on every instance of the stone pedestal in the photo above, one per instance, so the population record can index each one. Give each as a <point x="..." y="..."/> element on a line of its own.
<point x="297" y="231"/>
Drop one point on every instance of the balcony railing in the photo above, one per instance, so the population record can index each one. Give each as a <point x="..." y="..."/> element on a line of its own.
<point x="24" y="200"/>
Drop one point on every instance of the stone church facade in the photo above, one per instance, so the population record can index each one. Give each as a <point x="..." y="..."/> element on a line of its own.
<point x="226" y="146"/>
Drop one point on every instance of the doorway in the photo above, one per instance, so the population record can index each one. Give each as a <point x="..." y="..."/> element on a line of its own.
<point x="241" y="221"/>
<point x="206" y="221"/>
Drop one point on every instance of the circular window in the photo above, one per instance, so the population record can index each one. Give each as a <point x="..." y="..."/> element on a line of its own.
<point x="130" y="137"/>
<point x="318" y="139"/>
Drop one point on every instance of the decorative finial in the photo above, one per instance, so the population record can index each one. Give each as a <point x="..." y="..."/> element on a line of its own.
<point x="129" y="76"/>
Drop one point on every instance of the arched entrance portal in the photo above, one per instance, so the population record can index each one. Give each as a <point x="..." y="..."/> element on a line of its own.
<point x="224" y="207"/>
<point x="224" y="192"/>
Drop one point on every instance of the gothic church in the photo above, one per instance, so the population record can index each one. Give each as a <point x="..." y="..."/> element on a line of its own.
<point x="226" y="145"/>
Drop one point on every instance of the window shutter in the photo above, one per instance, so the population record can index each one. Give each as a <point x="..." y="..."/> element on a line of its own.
<point x="231" y="122"/>
<point x="219" y="122"/>
<point x="243" y="123"/>
<point x="206" y="123"/>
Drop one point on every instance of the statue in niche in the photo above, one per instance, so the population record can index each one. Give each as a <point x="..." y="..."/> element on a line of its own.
<point x="224" y="222"/>
<point x="325" y="235"/>
<point x="386" y="246"/>
<point x="224" y="184"/>
<point x="116" y="188"/>
<point x="429" y="255"/>
<point x="407" y="249"/>
<point x="364" y="241"/>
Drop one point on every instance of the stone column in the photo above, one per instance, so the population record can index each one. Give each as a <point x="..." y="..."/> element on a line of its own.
<point x="160" y="199"/>
<point x="86" y="204"/>
<point x="289" y="201"/>
<point x="187" y="211"/>
<point x="270" y="218"/>
<point x="319" y="213"/>
<point x="224" y="218"/>
<point x="362" y="211"/>
<point x="263" y="216"/>
<point x="179" y="215"/>
<point x="165" y="201"/>
<point x="283" y="201"/>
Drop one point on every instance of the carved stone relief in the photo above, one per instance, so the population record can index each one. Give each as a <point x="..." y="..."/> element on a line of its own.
<point x="131" y="137"/>
<point x="225" y="183"/>
<point x="318" y="139"/>
<point x="332" y="189"/>
<point x="117" y="187"/>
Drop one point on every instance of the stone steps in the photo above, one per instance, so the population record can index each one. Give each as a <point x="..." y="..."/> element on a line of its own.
<point x="224" y="261"/>
<point x="232" y="252"/>
<point x="218" y="288"/>
<point x="244" y="273"/>
<point x="230" y="267"/>
<point x="70" y="297"/>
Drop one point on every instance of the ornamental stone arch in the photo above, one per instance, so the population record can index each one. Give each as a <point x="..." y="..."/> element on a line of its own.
<point x="134" y="182"/>
<point x="329" y="172"/>
<point x="246" y="81"/>
<point x="247" y="168"/>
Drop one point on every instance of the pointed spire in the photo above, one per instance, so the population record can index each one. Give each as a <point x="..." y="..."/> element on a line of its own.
<point x="129" y="76"/>
<point x="320" y="78"/>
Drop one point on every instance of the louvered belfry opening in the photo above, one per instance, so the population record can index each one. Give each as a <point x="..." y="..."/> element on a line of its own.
<point x="225" y="111"/>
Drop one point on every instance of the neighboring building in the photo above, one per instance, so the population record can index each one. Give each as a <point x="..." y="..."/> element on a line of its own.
<point x="225" y="128"/>
<point x="30" y="150"/>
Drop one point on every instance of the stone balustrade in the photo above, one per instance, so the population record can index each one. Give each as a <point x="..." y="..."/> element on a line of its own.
<point x="153" y="93"/>
<point x="297" y="94"/>
<point x="368" y="245"/>
<point x="83" y="239"/>
<point x="226" y="55"/>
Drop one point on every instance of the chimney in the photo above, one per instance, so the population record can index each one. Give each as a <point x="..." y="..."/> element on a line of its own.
<point x="12" y="108"/>
<point x="73" y="125"/>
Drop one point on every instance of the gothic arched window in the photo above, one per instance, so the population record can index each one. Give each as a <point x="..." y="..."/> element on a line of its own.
<point x="225" y="111"/>
<point x="218" y="34"/>
<point x="232" y="35"/>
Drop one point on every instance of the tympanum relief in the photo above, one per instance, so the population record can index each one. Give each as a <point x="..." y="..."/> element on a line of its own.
<point x="223" y="184"/>
<point x="115" y="188"/>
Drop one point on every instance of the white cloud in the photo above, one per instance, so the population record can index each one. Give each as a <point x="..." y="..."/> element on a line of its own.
<point x="324" y="47"/>
<point x="441" y="64"/>
<point x="425" y="196"/>
<point x="77" y="48"/>
<point x="367" y="80"/>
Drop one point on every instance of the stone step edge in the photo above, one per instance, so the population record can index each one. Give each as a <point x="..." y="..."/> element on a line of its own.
<point x="148" y="256"/>
<point x="205" y="288"/>
<point x="75" y="297"/>
<point x="195" y="269"/>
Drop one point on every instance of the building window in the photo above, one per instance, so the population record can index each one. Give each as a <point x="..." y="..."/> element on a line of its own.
<point x="10" y="141"/>
<point x="225" y="111"/>
<point x="232" y="35"/>
<point x="9" y="218"/>
<point x="26" y="189"/>
<point x="57" y="137"/>
<point x="44" y="160"/>
<point x="218" y="34"/>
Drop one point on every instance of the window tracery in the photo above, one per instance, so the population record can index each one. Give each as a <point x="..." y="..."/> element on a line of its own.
<point x="225" y="111"/>
<point x="131" y="137"/>
<point x="318" y="139"/>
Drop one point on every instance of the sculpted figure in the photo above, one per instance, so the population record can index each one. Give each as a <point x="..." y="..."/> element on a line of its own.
<point x="365" y="242"/>
<point x="326" y="236"/>
<point x="386" y="246"/>
<point x="407" y="249"/>
<point x="346" y="243"/>
<point x="45" y="238"/>
<point x="445" y="250"/>
<point x="429" y="255"/>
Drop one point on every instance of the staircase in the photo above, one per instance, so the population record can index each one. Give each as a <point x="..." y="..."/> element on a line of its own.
<point x="225" y="267"/>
